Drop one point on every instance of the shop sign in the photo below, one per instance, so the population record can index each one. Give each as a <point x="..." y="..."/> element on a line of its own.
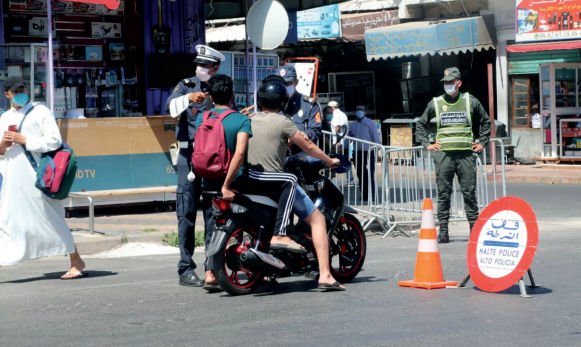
<point x="103" y="29"/>
<point x="318" y="23"/>
<point x="544" y="20"/>
<point x="353" y="26"/>
<point x="503" y="244"/>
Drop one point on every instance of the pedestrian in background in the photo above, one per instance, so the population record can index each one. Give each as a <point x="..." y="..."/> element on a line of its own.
<point x="364" y="129"/>
<point x="324" y="143"/>
<point x="460" y="118"/>
<point x="340" y="119"/>
<point x="32" y="225"/>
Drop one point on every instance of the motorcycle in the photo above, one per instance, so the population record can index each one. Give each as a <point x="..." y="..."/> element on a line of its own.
<point x="240" y="245"/>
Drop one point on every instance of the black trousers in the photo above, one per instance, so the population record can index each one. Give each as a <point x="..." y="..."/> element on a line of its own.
<point x="187" y="202"/>
<point x="461" y="164"/>
<point x="362" y="165"/>
<point x="280" y="183"/>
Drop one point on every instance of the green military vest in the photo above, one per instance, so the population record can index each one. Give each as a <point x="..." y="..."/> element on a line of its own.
<point x="454" y="124"/>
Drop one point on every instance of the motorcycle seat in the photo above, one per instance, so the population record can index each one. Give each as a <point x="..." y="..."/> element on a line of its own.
<point x="261" y="199"/>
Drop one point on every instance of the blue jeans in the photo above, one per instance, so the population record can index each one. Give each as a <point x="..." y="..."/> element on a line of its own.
<point x="303" y="207"/>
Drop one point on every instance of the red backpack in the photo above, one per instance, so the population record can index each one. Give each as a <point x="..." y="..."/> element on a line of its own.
<point x="211" y="156"/>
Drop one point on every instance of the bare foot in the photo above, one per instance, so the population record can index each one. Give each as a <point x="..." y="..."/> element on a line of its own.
<point x="76" y="267"/>
<point x="329" y="280"/>
<point x="281" y="239"/>
<point x="210" y="277"/>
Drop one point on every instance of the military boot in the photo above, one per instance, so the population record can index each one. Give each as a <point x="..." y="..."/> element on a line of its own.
<point x="471" y="226"/>
<point x="443" y="237"/>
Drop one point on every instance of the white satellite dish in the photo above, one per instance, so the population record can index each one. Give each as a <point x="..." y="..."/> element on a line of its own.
<point x="267" y="24"/>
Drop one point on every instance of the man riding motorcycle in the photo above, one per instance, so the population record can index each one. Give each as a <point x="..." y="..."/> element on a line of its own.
<point x="267" y="154"/>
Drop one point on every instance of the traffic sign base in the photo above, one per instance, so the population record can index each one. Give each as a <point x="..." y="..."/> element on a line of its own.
<point x="426" y="285"/>
<point x="521" y="284"/>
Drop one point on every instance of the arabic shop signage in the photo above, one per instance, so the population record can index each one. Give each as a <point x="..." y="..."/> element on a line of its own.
<point x="542" y="20"/>
<point x="353" y="26"/>
<point x="427" y="39"/>
<point x="502" y="245"/>
<point x="318" y="23"/>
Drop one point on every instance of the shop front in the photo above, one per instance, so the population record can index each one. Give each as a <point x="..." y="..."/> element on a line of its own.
<point x="106" y="107"/>
<point x="544" y="65"/>
<point x="423" y="50"/>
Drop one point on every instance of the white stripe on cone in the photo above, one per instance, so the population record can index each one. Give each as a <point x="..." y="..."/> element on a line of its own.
<point x="428" y="220"/>
<point x="428" y="246"/>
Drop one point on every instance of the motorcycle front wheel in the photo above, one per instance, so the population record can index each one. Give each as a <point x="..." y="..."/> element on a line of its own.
<point x="231" y="277"/>
<point x="348" y="247"/>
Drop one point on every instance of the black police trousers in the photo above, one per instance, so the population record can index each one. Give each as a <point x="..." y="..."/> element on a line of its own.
<point x="187" y="200"/>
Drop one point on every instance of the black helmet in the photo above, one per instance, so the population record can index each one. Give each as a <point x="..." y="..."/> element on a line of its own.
<point x="273" y="93"/>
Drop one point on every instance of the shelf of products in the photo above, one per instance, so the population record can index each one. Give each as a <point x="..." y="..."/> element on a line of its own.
<point x="561" y="105"/>
<point x="29" y="62"/>
<point x="570" y="137"/>
<point x="90" y="66"/>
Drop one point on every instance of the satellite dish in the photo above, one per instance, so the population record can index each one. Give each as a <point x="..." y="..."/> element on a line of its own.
<point x="267" y="24"/>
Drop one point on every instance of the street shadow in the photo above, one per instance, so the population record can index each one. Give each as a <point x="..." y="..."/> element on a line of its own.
<point x="514" y="290"/>
<point x="367" y="279"/>
<point x="57" y="276"/>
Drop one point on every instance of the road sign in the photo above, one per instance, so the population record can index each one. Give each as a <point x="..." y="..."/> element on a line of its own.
<point x="503" y="244"/>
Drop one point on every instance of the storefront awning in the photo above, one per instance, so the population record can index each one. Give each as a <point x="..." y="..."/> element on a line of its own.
<point x="421" y="38"/>
<point x="548" y="46"/>
<point x="226" y="33"/>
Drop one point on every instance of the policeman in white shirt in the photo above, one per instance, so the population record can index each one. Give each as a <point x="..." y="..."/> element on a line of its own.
<point x="187" y="102"/>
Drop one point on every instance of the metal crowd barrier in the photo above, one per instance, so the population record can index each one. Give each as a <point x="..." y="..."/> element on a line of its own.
<point x="402" y="179"/>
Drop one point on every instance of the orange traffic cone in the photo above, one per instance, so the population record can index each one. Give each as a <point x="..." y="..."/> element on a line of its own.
<point x="428" y="265"/>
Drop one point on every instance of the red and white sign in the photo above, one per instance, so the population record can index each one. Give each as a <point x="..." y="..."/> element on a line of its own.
<point x="503" y="244"/>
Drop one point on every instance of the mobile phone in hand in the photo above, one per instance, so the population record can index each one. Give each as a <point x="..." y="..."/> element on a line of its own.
<point x="13" y="128"/>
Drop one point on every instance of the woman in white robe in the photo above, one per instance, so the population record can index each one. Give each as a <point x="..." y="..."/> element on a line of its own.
<point x="32" y="225"/>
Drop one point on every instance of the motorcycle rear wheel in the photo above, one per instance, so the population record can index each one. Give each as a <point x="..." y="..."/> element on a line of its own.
<point x="348" y="247"/>
<point x="233" y="279"/>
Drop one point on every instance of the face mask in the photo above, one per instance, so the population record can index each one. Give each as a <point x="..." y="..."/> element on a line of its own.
<point x="329" y="117"/>
<point x="360" y="114"/>
<point x="20" y="99"/>
<point x="450" y="89"/>
<point x="202" y="74"/>
<point x="291" y="90"/>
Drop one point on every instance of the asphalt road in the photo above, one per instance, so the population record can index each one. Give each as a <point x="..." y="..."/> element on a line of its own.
<point x="137" y="302"/>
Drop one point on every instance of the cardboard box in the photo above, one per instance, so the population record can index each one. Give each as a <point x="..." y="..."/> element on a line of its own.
<point x="117" y="51"/>
<point x="81" y="8"/>
<point x="104" y="11"/>
<point x="94" y="53"/>
<point x="38" y="26"/>
<point x="106" y="30"/>
<point x="62" y="7"/>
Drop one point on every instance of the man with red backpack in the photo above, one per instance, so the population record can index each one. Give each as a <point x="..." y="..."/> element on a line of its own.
<point x="220" y="146"/>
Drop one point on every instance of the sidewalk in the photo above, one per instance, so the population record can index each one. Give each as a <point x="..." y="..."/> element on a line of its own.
<point x="550" y="174"/>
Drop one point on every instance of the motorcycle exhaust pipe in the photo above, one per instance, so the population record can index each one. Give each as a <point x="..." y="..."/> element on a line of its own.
<point x="253" y="259"/>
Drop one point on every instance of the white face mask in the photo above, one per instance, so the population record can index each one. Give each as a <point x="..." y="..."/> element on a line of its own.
<point x="291" y="90"/>
<point x="450" y="89"/>
<point x="202" y="74"/>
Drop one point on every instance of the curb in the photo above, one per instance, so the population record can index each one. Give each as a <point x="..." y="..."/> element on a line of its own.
<point x="539" y="179"/>
<point x="87" y="244"/>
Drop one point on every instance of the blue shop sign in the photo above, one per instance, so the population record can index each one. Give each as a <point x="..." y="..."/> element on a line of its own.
<point x="318" y="23"/>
